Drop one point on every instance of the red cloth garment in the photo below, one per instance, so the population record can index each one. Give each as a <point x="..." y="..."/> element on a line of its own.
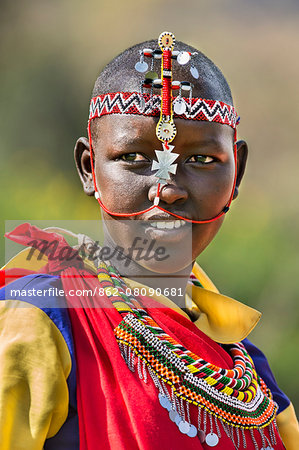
<point x="117" y="410"/>
<point x="59" y="254"/>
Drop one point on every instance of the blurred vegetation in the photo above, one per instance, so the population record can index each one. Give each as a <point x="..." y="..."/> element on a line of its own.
<point x="51" y="53"/>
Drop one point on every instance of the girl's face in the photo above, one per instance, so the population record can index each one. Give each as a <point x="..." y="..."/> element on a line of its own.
<point x="124" y="149"/>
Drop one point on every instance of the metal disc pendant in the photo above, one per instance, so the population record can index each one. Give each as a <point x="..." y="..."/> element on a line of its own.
<point x="164" y="402"/>
<point x="183" y="58"/>
<point x="179" y="107"/>
<point x="192" y="432"/>
<point x="194" y="72"/>
<point x="202" y="436"/>
<point x="141" y="103"/>
<point x="141" y="66"/>
<point x="178" y="420"/>
<point x="173" y="415"/>
<point x="184" y="427"/>
<point x="212" y="439"/>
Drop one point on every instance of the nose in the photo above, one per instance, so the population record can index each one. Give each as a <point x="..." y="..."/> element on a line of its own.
<point x="169" y="193"/>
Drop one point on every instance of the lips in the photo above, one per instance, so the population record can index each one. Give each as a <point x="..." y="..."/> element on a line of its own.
<point x="165" y="228"/>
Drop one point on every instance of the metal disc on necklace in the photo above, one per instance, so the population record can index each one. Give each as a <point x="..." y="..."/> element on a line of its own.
<point x="192" y="432"/>
<point x="194" y="72"/>
<point x="183" y="58"/>
<point x="178" y="420"/>
<point x="212" y="439"/>
<point x="173" y="415"/>
<point x="202" y="436"/>
<point x="141" y="66"/>
<point x="184" y="427"/>
<point x="168" y="405"/>
<point x="179" y="107"/>
<point x="164" y="402"/>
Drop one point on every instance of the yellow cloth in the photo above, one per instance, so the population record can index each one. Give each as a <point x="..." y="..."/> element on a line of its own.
<point x="34" y="365"/>
<point x="288" y="428"/>
<point x="26" y="259"/>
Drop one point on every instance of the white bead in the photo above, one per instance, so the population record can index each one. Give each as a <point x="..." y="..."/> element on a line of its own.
<point x="186" y="88"/>
<point x="176" y="83"/>
<point x="147" y="50"/>
<point x="96" y="195"/>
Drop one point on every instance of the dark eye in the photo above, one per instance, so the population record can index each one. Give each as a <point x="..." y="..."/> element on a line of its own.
<point x="133" y="157"/>
<point x="202" y="159"/>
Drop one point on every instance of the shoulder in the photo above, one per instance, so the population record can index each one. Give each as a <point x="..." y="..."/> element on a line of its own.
<point x="36" y="352"/>
<point x="34" y="366"/>
<point x="35" y="305"/>
<point x="41" y="295"/>
<point x="31" y="319"/>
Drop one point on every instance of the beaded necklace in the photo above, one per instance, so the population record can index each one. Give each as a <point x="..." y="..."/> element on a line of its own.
<point x="237" y="398"/>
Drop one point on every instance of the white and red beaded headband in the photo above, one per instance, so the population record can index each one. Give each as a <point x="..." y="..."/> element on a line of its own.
<point x="166" y="107"/>
<point x="150" y="105"/>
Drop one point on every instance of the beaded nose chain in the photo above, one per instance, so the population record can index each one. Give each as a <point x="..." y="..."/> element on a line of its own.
<point x="164" y="106"/>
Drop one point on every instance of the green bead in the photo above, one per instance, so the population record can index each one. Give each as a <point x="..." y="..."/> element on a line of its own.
<point x="151" y="75"/>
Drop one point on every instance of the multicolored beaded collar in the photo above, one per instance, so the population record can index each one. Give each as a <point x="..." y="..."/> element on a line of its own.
<point x="238" y="399"/>
<point x="166" y="107"/>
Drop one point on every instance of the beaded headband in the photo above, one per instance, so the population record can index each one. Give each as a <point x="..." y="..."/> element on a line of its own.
<point x="150" y="105"/>
<point x="166" y="107"/>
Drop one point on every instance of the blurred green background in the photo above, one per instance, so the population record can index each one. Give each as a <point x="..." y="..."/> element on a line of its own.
<point x="51" y="53"/>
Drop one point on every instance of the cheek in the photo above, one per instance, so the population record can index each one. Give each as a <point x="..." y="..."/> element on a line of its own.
<point x="223" y="182"/>
<point x="120" y="189"/>
<point x="211" y="190"/>
<point x="203" y="234"/>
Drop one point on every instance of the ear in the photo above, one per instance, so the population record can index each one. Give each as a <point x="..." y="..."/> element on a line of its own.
<point x="82" y="159"/>
<point x="242" y="152"/>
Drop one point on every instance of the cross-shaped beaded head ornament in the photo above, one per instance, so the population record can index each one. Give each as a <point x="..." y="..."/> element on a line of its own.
<point x="166" y="106"/>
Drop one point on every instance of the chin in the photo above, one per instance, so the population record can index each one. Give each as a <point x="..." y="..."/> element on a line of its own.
<point x="171" y="265"/>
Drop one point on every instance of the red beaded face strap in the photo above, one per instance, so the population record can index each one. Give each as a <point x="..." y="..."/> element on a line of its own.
<point x="167" y="109"/>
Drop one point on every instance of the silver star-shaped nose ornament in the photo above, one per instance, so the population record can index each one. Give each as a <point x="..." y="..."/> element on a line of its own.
<point x="164" y="164"/>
